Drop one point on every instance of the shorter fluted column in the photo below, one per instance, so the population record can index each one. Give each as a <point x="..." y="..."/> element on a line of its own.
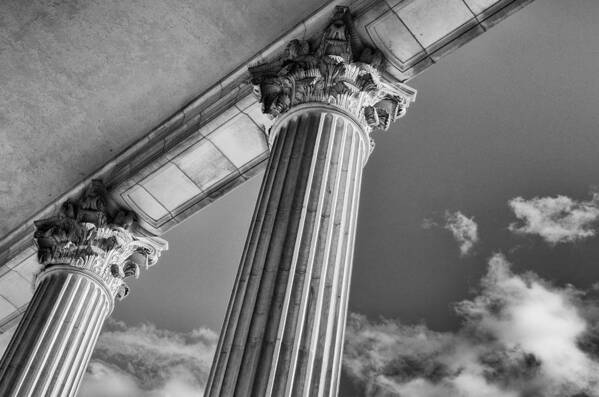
<point x="53" y="343"/>
<point x="86" y="252"/>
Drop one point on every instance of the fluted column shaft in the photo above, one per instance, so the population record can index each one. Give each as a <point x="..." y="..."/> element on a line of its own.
<point x="53" y="343"/>
<point x="284" y="327"/>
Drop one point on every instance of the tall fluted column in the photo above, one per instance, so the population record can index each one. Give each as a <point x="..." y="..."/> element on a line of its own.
<point x="284" y="328"/>
<point x="86" y="251"/>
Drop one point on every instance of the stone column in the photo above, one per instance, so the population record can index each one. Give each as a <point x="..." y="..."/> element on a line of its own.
<point x="284" y="328"/>
<point x="86" y="252"/>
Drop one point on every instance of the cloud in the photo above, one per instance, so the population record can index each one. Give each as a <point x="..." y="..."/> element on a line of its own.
<point x="556" y="219"/>
<point x="428" y="223"/>
<point x="464" y="230"/>
<point x="520" y="337"/>
<point x="144" y="361"/>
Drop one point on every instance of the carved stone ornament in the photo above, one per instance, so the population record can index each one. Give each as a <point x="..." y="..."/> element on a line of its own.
<point x="89" y="235"/>
<point x="336" y="69"/>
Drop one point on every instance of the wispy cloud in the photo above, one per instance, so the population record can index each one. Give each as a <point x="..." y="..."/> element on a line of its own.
<point x="556" y="219"/>
<point x="144" y="361"/>
<point x="428" y="223"/>
<point x="521" y="336"/>
<point x="463" y="229"/>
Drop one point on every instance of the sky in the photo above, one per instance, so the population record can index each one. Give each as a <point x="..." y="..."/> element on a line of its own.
<point x="475" y="272"/>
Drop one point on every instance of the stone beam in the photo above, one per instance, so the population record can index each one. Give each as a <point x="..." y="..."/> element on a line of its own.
<point x="227" y="146"/>
<point x="218" y="140"/>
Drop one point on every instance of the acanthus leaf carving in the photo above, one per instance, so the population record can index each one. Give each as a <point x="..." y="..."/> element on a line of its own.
<point x="88" y="234"/>
<point x="336" y="69"/>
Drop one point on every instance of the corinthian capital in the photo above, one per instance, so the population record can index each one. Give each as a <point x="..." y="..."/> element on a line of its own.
<point x="92" y="235"/>
<point x="336" y="69"/>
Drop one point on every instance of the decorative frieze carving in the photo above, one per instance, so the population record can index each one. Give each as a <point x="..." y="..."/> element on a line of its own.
<point x="336" y="69"/>
<point x="89" y="233"/>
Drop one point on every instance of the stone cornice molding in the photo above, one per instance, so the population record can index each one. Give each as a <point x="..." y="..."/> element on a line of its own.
<point x="88" y="234"/>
